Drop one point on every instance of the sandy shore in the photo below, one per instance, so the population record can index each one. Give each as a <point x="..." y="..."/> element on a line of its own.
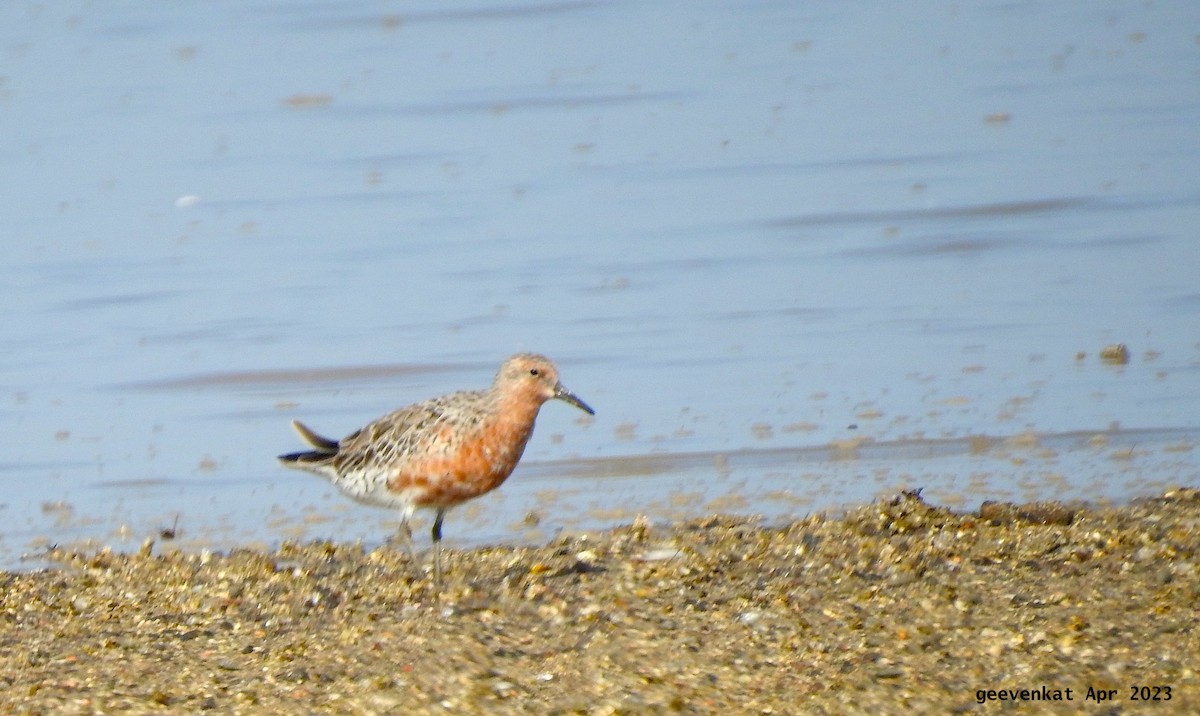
<point x="897" y="607"/>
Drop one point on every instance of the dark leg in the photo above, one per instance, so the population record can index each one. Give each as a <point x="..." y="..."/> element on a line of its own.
<point x="437" y="546"/>
<point x="437" y="526"/>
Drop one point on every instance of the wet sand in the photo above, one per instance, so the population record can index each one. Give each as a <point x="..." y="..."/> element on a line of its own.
<point x="896" y="607"/>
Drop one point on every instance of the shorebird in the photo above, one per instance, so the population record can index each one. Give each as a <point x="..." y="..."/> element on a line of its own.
<point x="441" y="452"/>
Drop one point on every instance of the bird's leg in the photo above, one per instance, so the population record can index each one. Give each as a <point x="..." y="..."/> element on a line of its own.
<point x="404" y="534"/>
<point x="437" y="546"/>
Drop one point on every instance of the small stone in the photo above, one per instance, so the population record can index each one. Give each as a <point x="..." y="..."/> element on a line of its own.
<point x="1115" y="354"/>
<point x="659" y="555"/>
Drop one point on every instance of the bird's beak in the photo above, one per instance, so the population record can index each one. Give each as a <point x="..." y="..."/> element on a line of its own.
<point x="567" y="396"/>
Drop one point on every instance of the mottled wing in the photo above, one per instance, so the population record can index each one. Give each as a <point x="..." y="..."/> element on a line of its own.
<point x="400" y="437"/>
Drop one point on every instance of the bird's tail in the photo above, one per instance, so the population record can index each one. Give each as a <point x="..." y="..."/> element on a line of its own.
<point x="321" y="443"/>
<point x="325" y="448"/>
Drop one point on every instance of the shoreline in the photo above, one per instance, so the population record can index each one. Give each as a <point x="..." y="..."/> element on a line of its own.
<point x="892" y="607"/>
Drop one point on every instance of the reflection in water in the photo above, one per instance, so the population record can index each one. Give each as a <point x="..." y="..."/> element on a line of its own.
<point x="982" y="211"/>
<point x="261" y="378"/>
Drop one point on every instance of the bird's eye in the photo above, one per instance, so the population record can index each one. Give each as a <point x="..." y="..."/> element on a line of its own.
<point x="533" y="371"/>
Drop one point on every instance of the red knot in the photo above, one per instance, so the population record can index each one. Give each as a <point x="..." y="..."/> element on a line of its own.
<point x="441" y="452"/>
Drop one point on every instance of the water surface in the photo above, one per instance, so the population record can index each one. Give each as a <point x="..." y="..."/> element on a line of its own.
<point x="796" y="256"/>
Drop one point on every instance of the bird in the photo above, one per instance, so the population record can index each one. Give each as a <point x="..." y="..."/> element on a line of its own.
<point x="440" y="452"/>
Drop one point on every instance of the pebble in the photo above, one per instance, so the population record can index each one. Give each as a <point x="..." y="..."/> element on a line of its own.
<point x="801" y="617"/>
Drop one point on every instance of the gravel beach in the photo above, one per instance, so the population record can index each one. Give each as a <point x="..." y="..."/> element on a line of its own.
<point x="895" y="607"/>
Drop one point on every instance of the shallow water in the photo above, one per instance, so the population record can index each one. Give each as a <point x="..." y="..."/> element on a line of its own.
<point x="795" y="256"/>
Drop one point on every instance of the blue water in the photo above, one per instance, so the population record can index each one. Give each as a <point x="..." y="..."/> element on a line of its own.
<point x="795" y="255"/>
